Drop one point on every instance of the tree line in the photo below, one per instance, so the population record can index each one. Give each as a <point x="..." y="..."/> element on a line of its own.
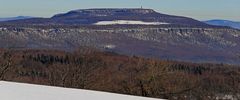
<point x="111" y="72"/>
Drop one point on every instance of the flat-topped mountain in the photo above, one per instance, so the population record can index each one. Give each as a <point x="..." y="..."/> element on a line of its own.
<point x="93" y="16"/>
<point x="108" y="12"/>
<point x="152" y="35"/>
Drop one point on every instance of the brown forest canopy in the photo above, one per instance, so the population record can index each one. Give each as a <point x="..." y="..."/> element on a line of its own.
<point x="108" y="71"/>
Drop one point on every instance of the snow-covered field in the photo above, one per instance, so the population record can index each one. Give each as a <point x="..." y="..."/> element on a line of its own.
<point x="21" y="91"/>
<point x="128" y="22"/>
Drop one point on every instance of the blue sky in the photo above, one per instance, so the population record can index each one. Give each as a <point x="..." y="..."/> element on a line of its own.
<point x="198" y="9"/>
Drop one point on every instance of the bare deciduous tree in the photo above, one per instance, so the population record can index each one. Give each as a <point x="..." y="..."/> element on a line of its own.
<point x="6" y="66"/>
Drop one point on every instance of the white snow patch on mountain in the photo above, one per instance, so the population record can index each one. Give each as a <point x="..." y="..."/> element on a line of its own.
<point x="110" y="46"/>
<point x="21" y="91"/>
<point x="128" y="22"/>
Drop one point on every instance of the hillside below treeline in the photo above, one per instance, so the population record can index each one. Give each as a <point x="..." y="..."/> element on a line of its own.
<point x="213" y="45"/>
<point x="111" y="72"/>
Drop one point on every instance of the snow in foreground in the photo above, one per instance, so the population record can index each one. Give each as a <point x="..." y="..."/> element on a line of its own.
<point x="128" y="22"/>
<point x="21" y="91"/>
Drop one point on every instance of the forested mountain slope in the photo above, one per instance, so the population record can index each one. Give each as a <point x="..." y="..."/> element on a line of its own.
<point x="111" y="72"/>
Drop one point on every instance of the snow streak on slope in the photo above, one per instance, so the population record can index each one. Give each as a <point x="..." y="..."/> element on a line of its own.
<point x="128" y="22"/>
<point x="21" y="91"/>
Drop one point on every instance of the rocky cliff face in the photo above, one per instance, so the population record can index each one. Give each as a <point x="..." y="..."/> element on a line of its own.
<point x="219" y="45"/>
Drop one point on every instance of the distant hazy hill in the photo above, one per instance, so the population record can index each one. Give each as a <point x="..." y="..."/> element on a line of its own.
<point x="15" y="18"/>
<point x="224" y="23"/>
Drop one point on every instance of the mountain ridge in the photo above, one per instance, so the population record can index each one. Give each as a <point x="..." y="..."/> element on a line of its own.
<point x="182" y="38"/>
<point x="91" y="16"/>
<point x="15" y="18"/>
<point x="221" y="22"/>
